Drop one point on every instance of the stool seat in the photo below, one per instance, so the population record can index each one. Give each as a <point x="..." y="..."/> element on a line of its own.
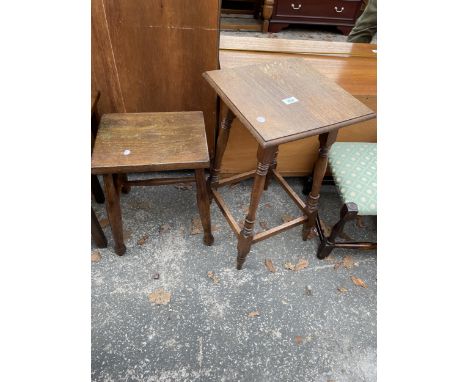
<point x="145" y="142"/>
<point x="150" y="142"/>
<point x="354" y="168"/>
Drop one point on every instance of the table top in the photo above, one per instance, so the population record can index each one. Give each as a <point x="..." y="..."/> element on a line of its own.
<point x="144" y="142"/>
<point x="286" y="100"/>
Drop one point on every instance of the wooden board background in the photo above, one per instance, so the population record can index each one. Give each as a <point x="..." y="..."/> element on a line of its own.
<point x="149" y="56"/>
<point x="352" y="66"/>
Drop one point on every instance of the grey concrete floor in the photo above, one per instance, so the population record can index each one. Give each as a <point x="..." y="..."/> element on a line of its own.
<point x="204" y="333"/>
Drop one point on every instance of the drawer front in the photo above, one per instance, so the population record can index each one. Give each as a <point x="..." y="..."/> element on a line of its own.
<point x="329" y="9"/>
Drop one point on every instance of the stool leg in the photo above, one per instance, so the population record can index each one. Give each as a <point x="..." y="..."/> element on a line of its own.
<point x="265" y="157"/>
<point x="270" y="170"/>
<point x="203" y="205"/>
<point x="114" y="212"/>
<point x="97" y="190"/>
<point x="348" y="212"/>
<point x="124" y="178"/>
<point x="221" y="144"/>
<point x="96" y="231"/>
<point x="326" y="140"/>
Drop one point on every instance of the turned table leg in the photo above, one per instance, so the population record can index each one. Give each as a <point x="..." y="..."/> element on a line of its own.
<point x="96" y="231"/>
<point x="204" y="205"/>
<point x="114" y="212"/>
<point x="221" y="144"/>
<point x="311" y="209"/>
<point x="270" y="170"/>
<point x="265" y="157"/>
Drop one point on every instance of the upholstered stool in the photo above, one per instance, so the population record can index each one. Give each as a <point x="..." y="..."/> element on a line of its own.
<point x="147" y="142"/>
<point x="354" y="168"/>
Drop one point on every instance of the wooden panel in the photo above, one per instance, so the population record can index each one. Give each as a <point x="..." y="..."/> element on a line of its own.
<point x="104" y="76"/>
<point x="352" y="66"/>
<point x="160" y="49"/>
<point x="257" y="95"/>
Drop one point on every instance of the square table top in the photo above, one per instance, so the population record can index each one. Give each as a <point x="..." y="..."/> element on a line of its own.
<point x="145" y="142"/>
<point x="282" y="101"/>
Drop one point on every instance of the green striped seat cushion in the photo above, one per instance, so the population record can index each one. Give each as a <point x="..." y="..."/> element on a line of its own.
<point x="354" y="168"/>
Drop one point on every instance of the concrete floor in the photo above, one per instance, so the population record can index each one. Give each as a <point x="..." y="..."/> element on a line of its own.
<point x="204" y="333"/>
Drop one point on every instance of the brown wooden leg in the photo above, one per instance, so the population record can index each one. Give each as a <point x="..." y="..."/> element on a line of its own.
<point x="326" y="140"/>
<point x="114" y="212"/>
<point x="221" y="144"/>
<point x="265" y="157"/>
<point x="203" y="205"/>
<point x="270" y="170"/>
<point x="97" y="190"/>
<point x="125" y="188"/>
<point x="348" y="212"/>
<point x="96" y="231"/>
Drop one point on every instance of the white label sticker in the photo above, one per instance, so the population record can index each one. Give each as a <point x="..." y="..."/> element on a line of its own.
<point x="126" y="152"/>
<point x="290" y="100"/>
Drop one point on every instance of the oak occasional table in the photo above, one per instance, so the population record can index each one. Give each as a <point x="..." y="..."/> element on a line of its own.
<point x="279" y="102"/>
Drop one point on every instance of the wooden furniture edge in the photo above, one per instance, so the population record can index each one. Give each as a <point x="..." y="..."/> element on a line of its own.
<point x="255" y="44"/>
<point x="149" y="168"/>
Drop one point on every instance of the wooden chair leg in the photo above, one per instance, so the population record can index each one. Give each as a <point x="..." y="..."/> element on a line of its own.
<point x="204" y="206"/>
<point x="265" y="157"/>
<point x="348" y="212"/>
<point x="96" y="231"/>
<point x="221" y="144"/>
<point x="311" y="209"/>
<point x="270" y="170"/>
<point x="97" y="190"/>
<point x="114" y="212"/>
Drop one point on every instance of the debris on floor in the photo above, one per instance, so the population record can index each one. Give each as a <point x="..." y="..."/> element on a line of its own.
<point x="302" y="264"/>
<point x="213" y="277"/>
<point x="96" y="256"/>
<point x="255" y="313"/>
<point x="357" y="281"/>
<point x="197" y="226"/>
<point x="270" y="266"/>
<point x="160" y="296"/>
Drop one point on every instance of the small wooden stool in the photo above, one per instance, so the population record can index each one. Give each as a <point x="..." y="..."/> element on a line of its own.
<point x="279" y="102"/>
<point x="147" y="142"/>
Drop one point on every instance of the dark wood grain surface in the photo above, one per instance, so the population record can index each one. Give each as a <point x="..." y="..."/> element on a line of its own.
<point x="155" y="142"/>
